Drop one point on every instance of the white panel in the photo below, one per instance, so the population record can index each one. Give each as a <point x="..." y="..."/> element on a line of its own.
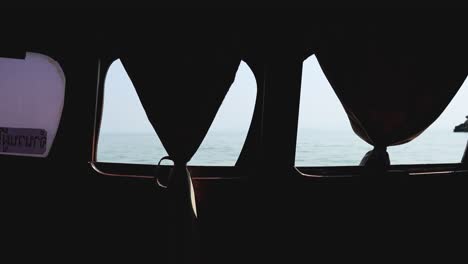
<point x="32" y="93"/>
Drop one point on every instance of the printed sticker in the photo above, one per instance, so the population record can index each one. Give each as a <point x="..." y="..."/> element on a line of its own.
<point x="23" y="140"/>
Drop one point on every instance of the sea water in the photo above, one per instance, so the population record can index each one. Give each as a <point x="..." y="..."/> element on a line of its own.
<point x="314" y="148"/>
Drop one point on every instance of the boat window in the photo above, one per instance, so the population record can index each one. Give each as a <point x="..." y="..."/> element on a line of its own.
<point x="31" y="103"/>
<point x="325" y="136"/>
<point x="439" y="143"/>
<point x="225" y="138"/>
<point x="126" y="135"/>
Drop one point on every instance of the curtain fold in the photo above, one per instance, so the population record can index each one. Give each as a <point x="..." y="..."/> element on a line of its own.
<point x="181" y="96"/>
<point x="181" y="82"/>
<point x="393" y="81"/>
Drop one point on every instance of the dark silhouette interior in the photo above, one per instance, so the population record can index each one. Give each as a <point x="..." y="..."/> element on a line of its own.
<point x="263" y="209"/>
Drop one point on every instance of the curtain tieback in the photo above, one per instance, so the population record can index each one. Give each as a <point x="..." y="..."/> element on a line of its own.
<point x="377" y="158"/>
<point x="157" y="174"/>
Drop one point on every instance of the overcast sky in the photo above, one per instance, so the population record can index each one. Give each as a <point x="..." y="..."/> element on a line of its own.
<point x="319" y="107"/>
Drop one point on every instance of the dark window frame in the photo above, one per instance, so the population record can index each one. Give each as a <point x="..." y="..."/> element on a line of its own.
<point x="141" y="171"/>
<point x="236" y="172"/>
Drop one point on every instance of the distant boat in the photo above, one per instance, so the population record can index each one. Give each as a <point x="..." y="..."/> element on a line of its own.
<point x="462" y="127"/>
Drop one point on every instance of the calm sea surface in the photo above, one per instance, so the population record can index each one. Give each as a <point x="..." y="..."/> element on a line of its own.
<point x="314" y="148"/>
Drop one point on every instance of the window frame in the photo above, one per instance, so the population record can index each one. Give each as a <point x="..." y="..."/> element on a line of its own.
<point x="413" y="168"/>
<point x="312" y="173"/>
<point x="143" y="171"/>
